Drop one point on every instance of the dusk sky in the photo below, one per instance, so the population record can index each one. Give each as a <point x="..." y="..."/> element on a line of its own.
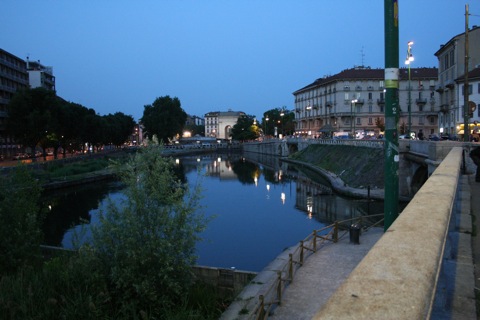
<point x="214" y="55"/>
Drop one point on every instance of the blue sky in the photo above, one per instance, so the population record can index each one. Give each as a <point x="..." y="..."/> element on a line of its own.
<point x="214" y="55"/>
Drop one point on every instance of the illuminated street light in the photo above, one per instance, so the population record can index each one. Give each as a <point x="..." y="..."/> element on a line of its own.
<point x="352" y="113"/>
<point x="408" y="61"/>
<point x="308" y="108"/>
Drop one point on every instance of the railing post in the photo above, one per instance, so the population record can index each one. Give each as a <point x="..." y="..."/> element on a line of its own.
<point x="290" y="267"/>
<point x="301" y="252"/>
<point x="335" y="232"/>
<point x="279" y="287"/>
<point x="261" y="310"/>
<point x="314" y="240"/>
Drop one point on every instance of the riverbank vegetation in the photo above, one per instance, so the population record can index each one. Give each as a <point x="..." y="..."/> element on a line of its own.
<point x="358" y="167"/>
<point x="137" y="264"/>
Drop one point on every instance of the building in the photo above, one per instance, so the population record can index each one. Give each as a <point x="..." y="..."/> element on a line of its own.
<point x="474" y="103"/>
<point x="219" y="124"/>
<point x="13" y="77"/>
<point x="40" y="75"/>
<point x="451" y="74"/>
<point x="353" y="102"/>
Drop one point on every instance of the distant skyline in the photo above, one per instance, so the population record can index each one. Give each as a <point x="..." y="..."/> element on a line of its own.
<point x="250" y="56"/>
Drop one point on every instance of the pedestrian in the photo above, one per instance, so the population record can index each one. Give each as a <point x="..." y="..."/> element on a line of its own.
<point x="420" y="134"/>
<point x="475" y="155"/>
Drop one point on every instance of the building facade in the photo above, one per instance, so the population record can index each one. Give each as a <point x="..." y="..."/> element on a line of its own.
<point x="474" y="104"/>
<point x="353" y="102"/>
<point x="219" y="124"/>
<point x="40" y="75"/>
<point x="451" y="74"/>
<point x="13" y="77"/>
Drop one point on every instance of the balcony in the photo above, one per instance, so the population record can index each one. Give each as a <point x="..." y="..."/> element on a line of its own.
<point x="381" y="102"/>
<point x="421" y="101"/>
<point x="444" y="108"/>
<point x="360" y="102"/>
<point x="329" y="104"/>
<point x="439" y="88"/>
<point x="449" y="84"/>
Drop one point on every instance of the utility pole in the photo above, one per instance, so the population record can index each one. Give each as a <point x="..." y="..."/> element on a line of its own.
<point x="391" y="112"/>
<point x="466" y="107"/>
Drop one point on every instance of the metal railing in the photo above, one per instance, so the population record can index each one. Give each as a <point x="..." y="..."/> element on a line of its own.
<point x="272" y="295"/>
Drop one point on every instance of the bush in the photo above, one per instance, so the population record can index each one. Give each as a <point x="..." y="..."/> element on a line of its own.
<point x="20" y="229"/>
<point x="147" y="242"/>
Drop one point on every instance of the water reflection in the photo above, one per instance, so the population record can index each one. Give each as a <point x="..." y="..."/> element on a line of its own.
<point x="260" y="208"/>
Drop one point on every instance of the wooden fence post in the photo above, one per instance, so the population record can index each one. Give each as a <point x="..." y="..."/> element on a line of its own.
<point x="335" y="232"/>
<point x="290" y="267"/>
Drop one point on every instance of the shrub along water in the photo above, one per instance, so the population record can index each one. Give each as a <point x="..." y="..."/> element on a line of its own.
<point x="137" y="264"/>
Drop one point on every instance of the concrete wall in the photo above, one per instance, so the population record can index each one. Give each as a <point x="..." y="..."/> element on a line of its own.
<point x="397" y="279"/>
<point x="229" y="282"/>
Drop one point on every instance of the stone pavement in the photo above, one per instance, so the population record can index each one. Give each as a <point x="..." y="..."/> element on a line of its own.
<point x="322" y="273"/>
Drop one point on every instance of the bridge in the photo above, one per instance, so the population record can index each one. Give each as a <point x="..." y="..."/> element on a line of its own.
<point x="421" y="268"/>
<point x="418" y="159"/>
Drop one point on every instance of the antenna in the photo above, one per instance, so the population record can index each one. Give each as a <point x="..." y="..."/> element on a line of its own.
<point x="362" y="56"/>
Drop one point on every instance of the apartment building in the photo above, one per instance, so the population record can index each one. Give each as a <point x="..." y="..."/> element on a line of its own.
<point x="219" y="124"/>
<point x="451" y="75"/>
<point x="40" y="75"/>
<point x="13" y="77"/>
<point x="353" y="102"/>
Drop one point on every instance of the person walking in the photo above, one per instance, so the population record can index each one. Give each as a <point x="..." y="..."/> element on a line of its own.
<point x="420" y="134"/>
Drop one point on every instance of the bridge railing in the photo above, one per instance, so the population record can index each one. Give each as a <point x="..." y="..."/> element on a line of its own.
<point x="272" y="295"/>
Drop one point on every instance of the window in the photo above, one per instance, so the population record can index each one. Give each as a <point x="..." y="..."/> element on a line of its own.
<point x="478" y="87"/>
<point x="421" y="119"/>
<point x="370" y="96"/>
<point x="380" y="83"/>
<point x="370" y="121"/>
<point x="452" y="58"/>
<point x="346" y="96"/>
<point x="359" y="120"/>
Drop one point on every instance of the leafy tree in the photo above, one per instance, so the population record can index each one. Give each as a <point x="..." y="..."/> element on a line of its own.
<point x="20" y="229"/>
<point x="245" y="129"/>
<point x="195" y="129"/>
<point x="118" y="127"/>
<point x="165" y="118"/>
<point x="281" y="118"/>
<point x="30" y="117"/>
<point x="380" y="124"/>
<point x="147" y="242"/>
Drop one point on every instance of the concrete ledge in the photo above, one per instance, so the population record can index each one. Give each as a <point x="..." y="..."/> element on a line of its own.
<point x="397" y="278"/>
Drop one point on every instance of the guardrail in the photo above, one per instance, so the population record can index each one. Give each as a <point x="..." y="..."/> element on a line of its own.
<point x="272" y="295"/>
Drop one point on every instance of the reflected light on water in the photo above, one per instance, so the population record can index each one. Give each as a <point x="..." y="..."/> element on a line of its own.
<point x="283" y="197"/>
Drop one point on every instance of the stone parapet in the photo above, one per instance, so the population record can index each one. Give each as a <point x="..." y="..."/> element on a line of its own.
<point x="397" y="279"/>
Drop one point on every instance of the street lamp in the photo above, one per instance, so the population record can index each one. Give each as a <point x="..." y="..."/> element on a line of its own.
<point x="308" y="108"/>
<point x="352" y="114"/>
<point x="266" y="125"/>
<point x="281" y="119"/>
<point x="408" y="61"/>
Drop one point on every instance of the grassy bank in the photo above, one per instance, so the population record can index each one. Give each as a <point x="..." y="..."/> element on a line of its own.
<point x="358" y="167"/>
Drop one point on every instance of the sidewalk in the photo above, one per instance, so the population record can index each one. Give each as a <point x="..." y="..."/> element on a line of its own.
<point x="322" y="274"/>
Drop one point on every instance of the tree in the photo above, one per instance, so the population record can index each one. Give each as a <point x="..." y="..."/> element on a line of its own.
<point x="380" y="124"/>
<point x="30" y="119"/>
<point x="20" y="229"/>
<point x="245" y="129"/>
<point x="281" y="118"/>
<point x="165" y="118"/>
<point x="118" y="127"/>
<point x="147" y="242"/>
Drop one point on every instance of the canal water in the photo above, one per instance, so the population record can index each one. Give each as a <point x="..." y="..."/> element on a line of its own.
<point x="260" y="206"/>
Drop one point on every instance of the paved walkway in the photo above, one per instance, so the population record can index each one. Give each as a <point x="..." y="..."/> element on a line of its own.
<point x="322" y="274"/>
